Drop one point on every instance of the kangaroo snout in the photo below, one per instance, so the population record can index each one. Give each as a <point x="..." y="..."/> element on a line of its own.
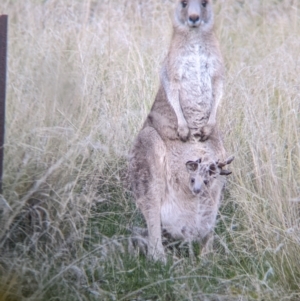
<point x="194" y="20"/>
<point x="196" y="190"/>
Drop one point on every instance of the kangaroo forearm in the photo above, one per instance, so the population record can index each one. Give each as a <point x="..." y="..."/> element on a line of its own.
<point x="172" y="92"/>
<point x="217" y="96"/>
<point x="175" y="104"/>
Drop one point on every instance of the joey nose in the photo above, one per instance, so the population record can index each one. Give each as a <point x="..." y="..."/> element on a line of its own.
<point x="196" y="190"/>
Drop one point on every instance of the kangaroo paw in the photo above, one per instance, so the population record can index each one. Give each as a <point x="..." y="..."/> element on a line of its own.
<point x="183" y="132"/>
<point x="206" y="132"/>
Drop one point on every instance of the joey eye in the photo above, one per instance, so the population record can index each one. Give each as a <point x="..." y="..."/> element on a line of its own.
<point x="205" y="182"/>
<point x="184" y="4"/>
<point x="204" y="3"/>
<point x="192" y="181"/>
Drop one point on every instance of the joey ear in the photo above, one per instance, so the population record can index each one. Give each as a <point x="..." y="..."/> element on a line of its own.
<point x="229" y="160"/>
<point x="199" y="160"/>
<point x="191" y="166"/>
<point x="212" y="169"/>
<point x="225" y="172"/>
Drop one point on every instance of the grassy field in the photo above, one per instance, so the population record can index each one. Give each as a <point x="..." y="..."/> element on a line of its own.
<point x="82" y="76"/>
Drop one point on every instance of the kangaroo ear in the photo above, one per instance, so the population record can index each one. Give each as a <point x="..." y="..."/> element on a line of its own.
<point x="225" y="172"/>
<point x="212" y="169"/>
<point x="191" y="166"/>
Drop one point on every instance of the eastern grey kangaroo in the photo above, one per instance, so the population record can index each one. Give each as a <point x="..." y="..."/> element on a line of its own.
<point x="184" y="110"/>
<point x="191" y="76"/>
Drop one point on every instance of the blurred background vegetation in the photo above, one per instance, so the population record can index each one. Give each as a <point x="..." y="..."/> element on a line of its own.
<point x="82" y="76"/>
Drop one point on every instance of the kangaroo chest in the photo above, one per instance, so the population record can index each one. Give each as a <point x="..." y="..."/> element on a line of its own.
<point x="195" y="70"/>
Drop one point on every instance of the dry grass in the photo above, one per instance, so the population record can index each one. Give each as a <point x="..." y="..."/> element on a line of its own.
<point x="82" y="77"/>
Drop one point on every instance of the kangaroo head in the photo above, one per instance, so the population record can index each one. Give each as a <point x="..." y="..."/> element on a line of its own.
<point x="194" y="14"/>
<point x="202" y="174"/>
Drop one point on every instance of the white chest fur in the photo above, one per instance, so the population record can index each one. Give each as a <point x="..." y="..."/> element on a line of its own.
<point x="195" y="72"/>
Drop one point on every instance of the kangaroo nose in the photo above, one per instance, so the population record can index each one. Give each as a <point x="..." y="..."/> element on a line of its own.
<point x="197" y="190"/>
<point x="194" y="18"/>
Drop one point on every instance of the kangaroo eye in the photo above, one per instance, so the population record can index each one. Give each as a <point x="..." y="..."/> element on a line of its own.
<point x="205" y="182"/>
<point x="192" y="181"/>
<point x="204" y="3"/>
<point x="184" y="3"/>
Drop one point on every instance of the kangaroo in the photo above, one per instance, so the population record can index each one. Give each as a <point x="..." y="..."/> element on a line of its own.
<point x="191" y="76"/>
<point x="204" y="174"/>
<point x="184" y="112"/>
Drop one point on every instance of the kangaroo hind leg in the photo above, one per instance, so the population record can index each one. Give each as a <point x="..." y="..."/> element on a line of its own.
<point x="149" y="177"/>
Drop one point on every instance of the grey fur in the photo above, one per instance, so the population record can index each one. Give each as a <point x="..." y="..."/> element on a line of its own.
<point x="184" y="110"/>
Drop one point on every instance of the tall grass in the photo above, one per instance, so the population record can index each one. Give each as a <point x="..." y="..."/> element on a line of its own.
<point x="82" y="76"/>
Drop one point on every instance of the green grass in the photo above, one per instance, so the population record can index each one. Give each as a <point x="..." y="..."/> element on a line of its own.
<point x="82" y="76"/>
